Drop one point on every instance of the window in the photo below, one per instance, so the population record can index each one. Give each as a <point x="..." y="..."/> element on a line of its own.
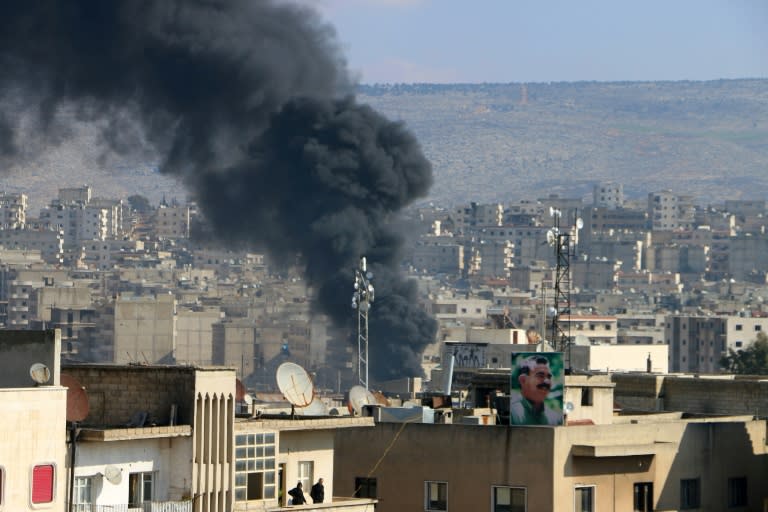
<point x="758" y="327"/>
<point x="83" y="492"/>
<point x="255" y="466"/>
<point x="509" y="499"/>
<point x="737" y="492"/>
<point x="584" y="499"/>
<point x="586" y="396"/>
<point x="306" y="468"/>
<point x="140" y="488"/>
<point x="739" y="327"/>
<point x="690" y="494"/>
<point x="738" y="344"/>
<point x="42" y="483"/>
<point x="435" y="496"/>
<point x="365" y="487"/>
<point x="643" y="497"/>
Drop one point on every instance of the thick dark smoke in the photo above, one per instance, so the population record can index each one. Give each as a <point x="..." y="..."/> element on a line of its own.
<point x="250" y="105"/>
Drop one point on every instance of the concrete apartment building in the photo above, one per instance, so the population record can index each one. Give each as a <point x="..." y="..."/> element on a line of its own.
<point x="438" y="255"/>
<point x="48" y="241"/>
<point x="158" y="438"/>
<point x="172" y="222"/>
<point x="608" y="195"/>
<point x="697" y="343"/>
<point x="145" y="329"/>
<point x="33" y="468"/>
<point x="599" y="461"/>
<point x="13" y="210"/>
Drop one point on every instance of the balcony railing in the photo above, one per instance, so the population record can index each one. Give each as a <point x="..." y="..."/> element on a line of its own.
<point x="149" y="506"/>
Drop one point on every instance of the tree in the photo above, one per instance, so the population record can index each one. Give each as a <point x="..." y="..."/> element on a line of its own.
<point x="139" y="203"/>
<point x="750" y="361"/>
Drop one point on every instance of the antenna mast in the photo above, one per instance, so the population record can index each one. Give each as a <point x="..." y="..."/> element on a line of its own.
<point x="362" y="298"/>
<point x="562" y="297"/>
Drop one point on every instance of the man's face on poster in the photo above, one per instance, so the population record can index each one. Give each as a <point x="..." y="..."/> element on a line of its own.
<point x="536" y="384"/>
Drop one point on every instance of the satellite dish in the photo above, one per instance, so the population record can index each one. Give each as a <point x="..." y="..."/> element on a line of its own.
<point x="39" y="373"/>
<point x="316" y="408"/>
<point x="381" y="399"/>
<point x="295" y="384"/>
<point x="358" y="397"/>
<point x="568" y="406"/>
<point x="551" y="211"/>
<point x="113" y="474"/>
<point x="581" y="340"/>
<point x="77" y="399"/>
<point x="550" y="237"/>
<point x="579" y="223"/>
<point x="240" y="391"/>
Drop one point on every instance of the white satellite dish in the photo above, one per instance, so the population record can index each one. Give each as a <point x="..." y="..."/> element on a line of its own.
<point x="295" y="384"/>
<point x="568" y="406"/>
<point x="550" y="237"/>
<point x="113" y="474"/>
<point x="579" y="223"/>
<point x="581" y="341"/>
<point x="358" y="397"/>
<point x="39" y="373"/>
<point x="316" y="408"/>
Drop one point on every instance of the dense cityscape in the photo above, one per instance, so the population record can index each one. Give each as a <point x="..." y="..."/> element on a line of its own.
<point x="383" y="255"/>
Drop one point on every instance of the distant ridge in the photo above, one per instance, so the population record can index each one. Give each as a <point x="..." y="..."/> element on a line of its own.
<point x="502" y="142"/>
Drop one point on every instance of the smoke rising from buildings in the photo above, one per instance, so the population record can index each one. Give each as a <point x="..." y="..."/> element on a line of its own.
<point x="250" y="105"/>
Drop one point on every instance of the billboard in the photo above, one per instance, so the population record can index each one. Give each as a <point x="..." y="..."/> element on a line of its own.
<point x="536" y="389"/>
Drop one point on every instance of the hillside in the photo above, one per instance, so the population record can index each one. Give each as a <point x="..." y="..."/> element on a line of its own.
<point x="503" y="142"/>
<point x="495" y="142"/>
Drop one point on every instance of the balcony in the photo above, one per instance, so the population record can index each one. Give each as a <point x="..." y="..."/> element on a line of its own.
<point x="150" y="506"/>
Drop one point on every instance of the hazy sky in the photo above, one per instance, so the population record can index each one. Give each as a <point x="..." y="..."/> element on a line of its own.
<point x="550" y="40"/>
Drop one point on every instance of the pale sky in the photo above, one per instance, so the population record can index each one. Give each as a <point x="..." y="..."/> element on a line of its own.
<point x="550" y="40"/>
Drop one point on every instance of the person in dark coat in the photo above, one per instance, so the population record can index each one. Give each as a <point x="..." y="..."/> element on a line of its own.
<point x="317" y="492"/>
<point x="298" y="495"/>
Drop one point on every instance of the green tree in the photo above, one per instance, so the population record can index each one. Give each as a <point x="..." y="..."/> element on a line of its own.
<point x="750" y="361"/>
<point x="139" y="203"/>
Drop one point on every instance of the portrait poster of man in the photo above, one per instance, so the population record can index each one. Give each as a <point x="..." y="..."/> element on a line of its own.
<point x="536" y="389"/>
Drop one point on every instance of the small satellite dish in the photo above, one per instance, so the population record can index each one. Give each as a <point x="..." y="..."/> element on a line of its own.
<point x="295" y="384"/>
<point x="550" y="237"/>
<point x="113" y="474"/>
<point x="358" y="397"/>
<point x="581" y="340"/>
<point x="551" y="211"/>
<point x="579" y="223"/>
<point x="39" y="373"/>
<point x="77" y="399"/>
<point x="568" y="406"/>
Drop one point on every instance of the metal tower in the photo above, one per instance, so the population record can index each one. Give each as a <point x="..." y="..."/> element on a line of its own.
<point x="362" y="298"/>
<point x="561" y="334"/>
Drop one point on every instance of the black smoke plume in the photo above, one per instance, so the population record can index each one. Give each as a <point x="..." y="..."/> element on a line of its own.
<point x="249" y="103"/>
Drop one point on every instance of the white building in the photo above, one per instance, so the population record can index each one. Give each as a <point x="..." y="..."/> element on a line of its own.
<point x="13" y="209"/>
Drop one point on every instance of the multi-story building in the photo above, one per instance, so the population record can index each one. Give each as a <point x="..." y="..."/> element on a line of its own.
<point x="667" y="211"/>
<point x="13" y="208"/>
<point x="194" y="334"/>
<point x="608" y="195"/>
<point x="172" y="222"/>
<point x="49" y="241"/>
<point x="145" y="329"/>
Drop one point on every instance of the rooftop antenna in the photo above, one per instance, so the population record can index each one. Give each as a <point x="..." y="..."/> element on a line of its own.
<point x="562" y="297"/>
<point x="362" y="298"/>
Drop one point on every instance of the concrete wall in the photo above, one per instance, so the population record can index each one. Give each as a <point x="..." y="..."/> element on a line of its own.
<point x="316" y="446"/>
<point x="32" y="432"/>
<point x="470" y="458"/>
<point x="168" y="458"/>
<point x="21" y="349"/>
<point x="712" y="452"/>
<point x="625" y="358"/>
<point x="705" y="395"/>
<point x="116" y="393"/>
